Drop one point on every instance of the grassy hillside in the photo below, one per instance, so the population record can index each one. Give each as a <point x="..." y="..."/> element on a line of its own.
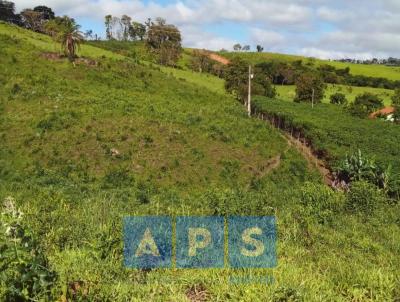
<point x="392" y="73"/>
<point x="82" y="147"/>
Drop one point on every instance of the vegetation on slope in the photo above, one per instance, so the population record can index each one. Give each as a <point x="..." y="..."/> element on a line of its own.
<point x="83" y="147"/>
<point x="334" y="132"/>
<point x="391" y="73"/>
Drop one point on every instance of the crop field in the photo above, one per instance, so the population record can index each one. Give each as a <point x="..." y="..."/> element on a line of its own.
<point x="334" y="132"/>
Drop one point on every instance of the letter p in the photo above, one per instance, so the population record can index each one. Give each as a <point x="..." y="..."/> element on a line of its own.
<point x="195" y="243"/>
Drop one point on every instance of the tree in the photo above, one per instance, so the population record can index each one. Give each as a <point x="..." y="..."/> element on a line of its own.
<point x="365" y="104"/>
<point x="55" y="26"/>
<point x="260" y="48"/>
<point x="165" y="41"/>
<point x="200" y="61"/>
<point x="32" y="20"/>
<point x="7" y="11"/>
<point x="237" y="47"/>
<point x="126" y="27"/>
<point x="88" y="34"/>
<point x="137" y="31"/>
<point x="262" y="85"/>
<point x="309" y="88"/>
<point x="236" y="78"/>
<point x="107" y="22"/>
<point x="47" y="12"/>
<point x="338" y="99"/>
<point x="117" y="29"/>
<point x="246" y="48"/>
<point x="70" y="38"/>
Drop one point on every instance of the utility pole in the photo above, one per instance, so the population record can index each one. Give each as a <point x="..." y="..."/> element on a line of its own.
<point x="249" y="96"/>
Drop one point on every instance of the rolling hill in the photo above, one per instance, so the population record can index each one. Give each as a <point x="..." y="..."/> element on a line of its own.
<point x="392" y="73"/>
<point x="82" y="147"/>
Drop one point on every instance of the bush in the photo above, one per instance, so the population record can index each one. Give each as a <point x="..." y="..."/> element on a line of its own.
<point x="365" y="104"/>
<point x="358" y="167"/>
<point x="338" y="99"/>
<point x="364" y="197"/>
<point x="24" y="270"/>
<point x="309" y="87"/>
<point x="320" y="202"/>
<point x="396" y="98"/>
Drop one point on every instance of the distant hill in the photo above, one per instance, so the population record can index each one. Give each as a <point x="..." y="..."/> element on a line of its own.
<point x="392" y="73"/>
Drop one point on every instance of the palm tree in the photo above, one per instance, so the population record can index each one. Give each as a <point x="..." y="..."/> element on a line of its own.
<point x="70" y="38"/>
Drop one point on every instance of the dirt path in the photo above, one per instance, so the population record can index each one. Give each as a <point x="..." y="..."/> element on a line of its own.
<point x="305" y="150"/>
<point x="218" y="58"/>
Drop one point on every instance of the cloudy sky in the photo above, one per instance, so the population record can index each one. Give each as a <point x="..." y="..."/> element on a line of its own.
<point x="319" y="28"/>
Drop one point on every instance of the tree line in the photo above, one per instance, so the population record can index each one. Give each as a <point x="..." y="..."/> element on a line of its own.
<point x="162" y="39"/>
<point x="388" y="62"/>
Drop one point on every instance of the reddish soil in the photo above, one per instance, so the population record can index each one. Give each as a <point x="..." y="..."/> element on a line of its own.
<point x="384" y="111"/>
<point x="218" y="58"/>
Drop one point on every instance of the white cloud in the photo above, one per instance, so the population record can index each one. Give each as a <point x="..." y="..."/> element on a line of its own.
<point x="320" y="28"/>
<point x="270" y="40"/>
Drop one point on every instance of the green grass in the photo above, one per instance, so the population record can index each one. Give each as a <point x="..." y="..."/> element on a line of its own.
<point x="185" y="148"/>
<point x="288" y="92"/>
<point x="391" y="73"/>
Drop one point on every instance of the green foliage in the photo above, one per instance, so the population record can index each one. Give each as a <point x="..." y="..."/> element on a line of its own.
<point x="396" y="98"/>
<point x="320" y="202"/>
<point x="237" y="78"/>
<point x="357" y="167"/>
<point x="287" y="294"/>
<point x="338" y="99"/>
<point x="379" y="73"/>
<point x="24" y="271"/>
<point x="178" y="142"/>
<point x="165" y="41"/>
<point x="309" y="88"/>
<point x="365" y="104"/>
<point x="364" y="197"/>
<point x="334" y="133"/>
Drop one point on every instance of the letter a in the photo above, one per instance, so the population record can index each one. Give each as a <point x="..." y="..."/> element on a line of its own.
<point x="147" y="246"/>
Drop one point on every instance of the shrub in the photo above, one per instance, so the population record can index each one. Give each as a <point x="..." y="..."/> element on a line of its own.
<point x="320" y="202"/>
<point x="365" y="104"/>
<point x="357" y="167"/>
<point x="24" y="270"/>
<point x="118" y="178"/>
<point x="364" y="197"/>
<point x="309" y="87"/>
<point x="396" y="98"/>
<point x="338" y="99"/>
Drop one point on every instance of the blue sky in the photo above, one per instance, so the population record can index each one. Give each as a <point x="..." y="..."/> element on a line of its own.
<point x="320" y="28"/>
